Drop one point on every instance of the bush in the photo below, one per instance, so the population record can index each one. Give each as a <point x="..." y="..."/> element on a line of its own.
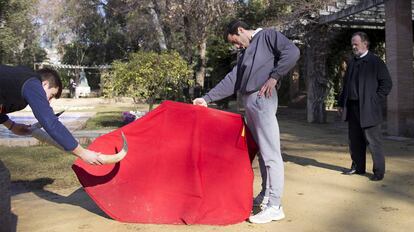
<point x="148" y="76"/>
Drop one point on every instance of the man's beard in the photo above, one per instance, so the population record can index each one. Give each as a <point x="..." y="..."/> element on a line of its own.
<point x="356" y="53"/>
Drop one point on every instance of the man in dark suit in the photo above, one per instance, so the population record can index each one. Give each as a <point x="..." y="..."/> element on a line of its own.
<point x="366" y="86"/>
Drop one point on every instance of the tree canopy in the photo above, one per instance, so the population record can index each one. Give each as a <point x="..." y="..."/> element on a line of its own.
<point x="19" y="37"/>
<point x="97" y="32"/>
<point x="149" y="76"/>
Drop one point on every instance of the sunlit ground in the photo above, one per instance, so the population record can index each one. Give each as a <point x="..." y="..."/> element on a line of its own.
<point x="316" y="197"/>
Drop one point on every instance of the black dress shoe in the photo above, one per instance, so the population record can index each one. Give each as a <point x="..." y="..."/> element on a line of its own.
<point x="377" y="177"/>
<point x="353" y="171"/>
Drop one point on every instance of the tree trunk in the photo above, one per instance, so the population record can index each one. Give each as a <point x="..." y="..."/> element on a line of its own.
<point x="188" y="41"/>
<point x="201" y="73"/>
<point x="5" y="201"/>
<point x="317" y="82"/>
<point x="158" y="27"/>
<point x="294" y="84"/>
<point x="150" y="104"/>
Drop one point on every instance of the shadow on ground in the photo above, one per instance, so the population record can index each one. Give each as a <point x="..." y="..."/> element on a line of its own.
<point x="76" y="198"/>
<point x="310" y="162"/>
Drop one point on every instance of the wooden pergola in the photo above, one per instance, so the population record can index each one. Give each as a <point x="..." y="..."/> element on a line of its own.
<point x="396" y="18"/>
<point x="356" y="13"/>
<point x="80" y="90"/>
<point x="70" y="66"/>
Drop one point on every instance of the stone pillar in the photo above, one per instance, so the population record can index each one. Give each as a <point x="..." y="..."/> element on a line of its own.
<point x="399" y="57"/>
<point x="5" y="203"/>
<point x="83" y="89"/>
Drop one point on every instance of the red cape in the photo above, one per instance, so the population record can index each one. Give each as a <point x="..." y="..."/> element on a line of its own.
<point x="185" y="165"/>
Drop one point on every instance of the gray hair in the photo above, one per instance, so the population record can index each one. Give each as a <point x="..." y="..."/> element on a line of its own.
<point x="363" y="36"/>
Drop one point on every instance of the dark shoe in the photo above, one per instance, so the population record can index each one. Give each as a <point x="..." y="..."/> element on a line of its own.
<point x="377" y="177"/>
<point x="353" y="171"/>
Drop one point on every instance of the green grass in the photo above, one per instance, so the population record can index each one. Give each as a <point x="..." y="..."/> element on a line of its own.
<point x="105" y="120"/>
<point x="37" y="166"/>
<point x="110" y="117"/>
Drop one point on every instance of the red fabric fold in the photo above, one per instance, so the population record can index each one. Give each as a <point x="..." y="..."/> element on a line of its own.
<point x="185" y="165"/>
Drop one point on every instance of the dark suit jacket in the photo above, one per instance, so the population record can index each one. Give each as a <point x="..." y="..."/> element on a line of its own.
<point x="374" y="85"/>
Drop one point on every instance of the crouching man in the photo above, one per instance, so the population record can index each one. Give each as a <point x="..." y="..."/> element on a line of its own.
<point x="19" y="87"/>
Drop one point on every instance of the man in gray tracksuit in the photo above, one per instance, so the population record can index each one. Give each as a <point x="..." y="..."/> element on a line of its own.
<point x="266" y="57"/>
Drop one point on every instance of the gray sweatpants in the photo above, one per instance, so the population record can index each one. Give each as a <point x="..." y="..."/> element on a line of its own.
<point x="260" y="114"/>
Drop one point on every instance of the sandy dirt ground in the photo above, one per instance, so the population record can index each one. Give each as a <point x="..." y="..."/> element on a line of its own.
<point x="317" y="196"/>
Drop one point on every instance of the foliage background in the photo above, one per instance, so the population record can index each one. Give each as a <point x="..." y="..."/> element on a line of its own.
<point x="149" y="76"/>
<point x="98" y="32"/>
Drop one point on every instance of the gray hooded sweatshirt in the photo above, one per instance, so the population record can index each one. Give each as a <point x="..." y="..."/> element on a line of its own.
<point x="269" y="55"/>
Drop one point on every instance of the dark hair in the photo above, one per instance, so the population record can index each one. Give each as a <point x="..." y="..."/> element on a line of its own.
<point x="50" y="75"/>
<point x="233" y="26"/>
<point x="363" y="36"/>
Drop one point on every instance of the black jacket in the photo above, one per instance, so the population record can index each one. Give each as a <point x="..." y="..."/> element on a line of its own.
<point x="374" y="85"/>
<point x="12" y="80"/>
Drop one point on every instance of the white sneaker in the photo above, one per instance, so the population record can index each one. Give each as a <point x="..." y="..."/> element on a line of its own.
<point x="261" y="201"/>
<point x="268" y="214"/>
